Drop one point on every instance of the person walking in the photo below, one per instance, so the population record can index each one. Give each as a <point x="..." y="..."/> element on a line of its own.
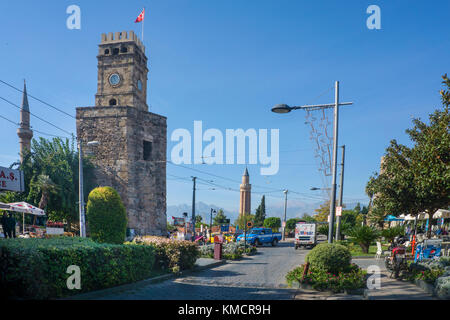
<point x="11" y="222"/>
<point x="5" y="227"/>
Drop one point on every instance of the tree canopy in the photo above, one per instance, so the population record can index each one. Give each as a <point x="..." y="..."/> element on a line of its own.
<point x="260" y="213"/>
<point x="51" y="178"/>
<point x="416" y="179"/>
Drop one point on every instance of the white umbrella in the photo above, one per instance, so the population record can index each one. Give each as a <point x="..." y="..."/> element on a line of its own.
<point x="441" y="213"/>
<point x="423" y="216"/>
<point x="4" y="206"/>
<point x="408" y="217"/>
<point x="25" y="208"/>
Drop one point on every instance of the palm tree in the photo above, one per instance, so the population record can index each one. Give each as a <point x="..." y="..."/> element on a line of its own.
<point x="46" y="186"/>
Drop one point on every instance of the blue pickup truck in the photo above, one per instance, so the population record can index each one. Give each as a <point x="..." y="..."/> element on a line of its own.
<point x="259" y="236"/>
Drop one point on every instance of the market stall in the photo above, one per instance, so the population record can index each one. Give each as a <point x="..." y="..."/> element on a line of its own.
<point x="24" y="207"/>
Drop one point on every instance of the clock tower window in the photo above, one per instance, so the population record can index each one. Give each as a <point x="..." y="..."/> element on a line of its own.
<point x="112" y="102"/>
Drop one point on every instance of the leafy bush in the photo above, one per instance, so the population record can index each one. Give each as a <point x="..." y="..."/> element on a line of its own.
<point x="273" y="222"/>
<point x="429" y="270"/>
<point x="329" y="257"/>
<point x="364" y="236"/>
<point x="37" y="268"/>
<point x="106" y="216"/>
<point x="171" y="254"/>
<point x="390" y="233"/>
<point x="353" y="278"/>
<point x="443" y="287"/>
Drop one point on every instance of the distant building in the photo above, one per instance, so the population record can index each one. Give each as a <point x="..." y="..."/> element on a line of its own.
<point x="131" y="154"/>
<point x="246" y="191"/>
<point x="24" y="131"/>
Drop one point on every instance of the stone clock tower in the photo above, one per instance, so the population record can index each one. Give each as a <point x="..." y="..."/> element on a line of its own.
<point x="131" y="153"/>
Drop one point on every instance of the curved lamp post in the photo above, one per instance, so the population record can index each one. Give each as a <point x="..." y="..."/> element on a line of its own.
<point x="284" y="108"/>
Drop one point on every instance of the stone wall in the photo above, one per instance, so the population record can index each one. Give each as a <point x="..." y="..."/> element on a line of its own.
<point x="119" y="160"/>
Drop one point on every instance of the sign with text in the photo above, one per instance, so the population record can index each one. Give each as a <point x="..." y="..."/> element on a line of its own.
<point x="11" y="180"/>
<point x="224" y="228"/>
<point x="338" y="211"/>
<point x="178" y="221"/>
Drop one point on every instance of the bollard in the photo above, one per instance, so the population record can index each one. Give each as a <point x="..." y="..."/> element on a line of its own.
<point x="217" y="250"/>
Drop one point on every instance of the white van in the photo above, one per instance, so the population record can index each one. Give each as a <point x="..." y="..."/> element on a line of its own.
<point x="305" y="235"/>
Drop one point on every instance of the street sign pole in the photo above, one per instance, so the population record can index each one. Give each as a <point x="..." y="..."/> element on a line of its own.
<point x="341" y="190"/>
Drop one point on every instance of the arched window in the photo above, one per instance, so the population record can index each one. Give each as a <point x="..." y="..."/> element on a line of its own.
<point x="115" y="51"/>
<point x="123" y="49"/>
<point x="112" y="102"/>
<point x="106" y="51"/>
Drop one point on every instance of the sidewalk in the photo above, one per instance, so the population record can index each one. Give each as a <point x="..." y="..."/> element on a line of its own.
<point x="200" y="264"/>
<point x="392" y="289"/>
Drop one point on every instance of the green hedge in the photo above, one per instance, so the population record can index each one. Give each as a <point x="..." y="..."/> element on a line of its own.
<point x="173" y="255"/>
<point x="36" y="268"/>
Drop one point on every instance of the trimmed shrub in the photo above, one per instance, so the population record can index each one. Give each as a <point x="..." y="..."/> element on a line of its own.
<point x="330" y="257"/>
<point x="37" y="268"/>
<point x="171" y="254"/>
<point x="106" y="216"/>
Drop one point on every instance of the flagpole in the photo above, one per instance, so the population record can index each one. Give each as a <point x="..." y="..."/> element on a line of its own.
<point x="143" y="27"/>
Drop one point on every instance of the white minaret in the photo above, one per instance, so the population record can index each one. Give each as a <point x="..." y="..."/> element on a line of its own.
<point x="24" y="132"/>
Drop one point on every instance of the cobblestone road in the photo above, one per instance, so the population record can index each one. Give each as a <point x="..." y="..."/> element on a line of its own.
<point x="258" y="277"/>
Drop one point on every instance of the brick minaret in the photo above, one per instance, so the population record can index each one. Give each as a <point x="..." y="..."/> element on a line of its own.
<point x="246" y="190"/>
<point x="24" y="132"/>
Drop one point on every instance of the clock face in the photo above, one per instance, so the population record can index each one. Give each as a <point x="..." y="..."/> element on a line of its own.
<point x="139" y="85"/>
<point x="114" y="79"/>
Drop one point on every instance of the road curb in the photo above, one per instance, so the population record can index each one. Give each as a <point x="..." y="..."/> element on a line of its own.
<point x="141" y="283"/>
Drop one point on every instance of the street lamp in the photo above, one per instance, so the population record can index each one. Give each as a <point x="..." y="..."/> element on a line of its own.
<point x="80" y="186"/>
<point x="210" y="221"/>
<point x="284" y="108"/>
<point x="314" y="189"/>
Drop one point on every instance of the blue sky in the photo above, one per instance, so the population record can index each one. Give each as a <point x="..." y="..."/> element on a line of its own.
<point x="227" y="63"/>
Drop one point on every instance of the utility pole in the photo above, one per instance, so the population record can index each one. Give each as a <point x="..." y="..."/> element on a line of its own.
<point x="334" y="167"/>
<point x="341" y="191"/>
<point x="80" y="191"/>
<point x="285" y="207"/>
<point x="193" y="209"/>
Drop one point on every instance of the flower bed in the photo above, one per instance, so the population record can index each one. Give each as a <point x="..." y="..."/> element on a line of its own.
<point x="230" y="251"/>
<point x="348" y="280"/>
<point x="37" y="268"/>
<point x="328" y="268"/>
<point x="432" y="273"/>
<point x="173" y="255"/>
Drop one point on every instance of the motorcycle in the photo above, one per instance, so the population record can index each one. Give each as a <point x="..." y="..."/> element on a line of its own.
<point x="396" y="262"/>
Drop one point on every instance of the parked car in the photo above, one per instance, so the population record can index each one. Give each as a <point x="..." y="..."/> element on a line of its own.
<point x="259" y="236"/>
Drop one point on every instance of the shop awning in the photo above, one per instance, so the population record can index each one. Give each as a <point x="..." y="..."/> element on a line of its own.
<point x="441" y="213"/>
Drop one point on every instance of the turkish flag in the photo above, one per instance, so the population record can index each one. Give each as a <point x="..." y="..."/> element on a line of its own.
<point x="140" y="16"/>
